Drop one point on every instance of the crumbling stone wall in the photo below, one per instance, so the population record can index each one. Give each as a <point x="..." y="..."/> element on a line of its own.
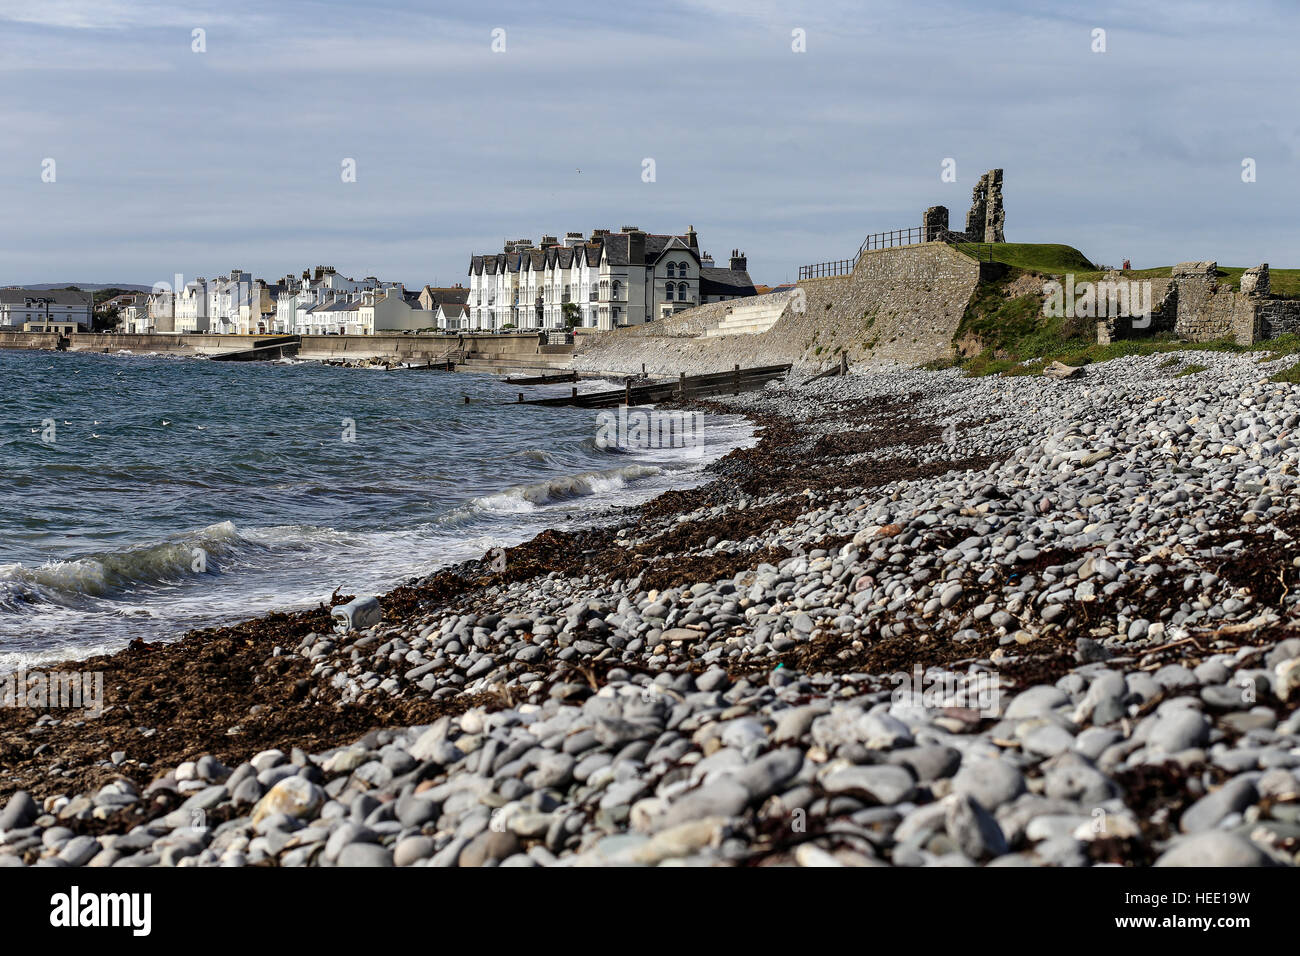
<point x="1255" y="280"/>
<point x="986" y="221"/>
<point x="934" y="224"/>
<point x="1278" y="317"/>
<point x="1202" y="310"/>
<point x="1206" y="312"/>
<point x="1163" y="318"/>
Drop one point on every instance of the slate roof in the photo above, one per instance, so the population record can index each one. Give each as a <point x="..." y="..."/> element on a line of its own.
<point x="340" y="306"/>
<point x="725" y="282"/>
<point x="56" y="296"/>
<point x="618" y="246"/>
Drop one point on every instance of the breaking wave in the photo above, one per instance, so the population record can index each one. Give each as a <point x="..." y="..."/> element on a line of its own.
<point x="554" y="490"/>
<point x="97" y="575"/>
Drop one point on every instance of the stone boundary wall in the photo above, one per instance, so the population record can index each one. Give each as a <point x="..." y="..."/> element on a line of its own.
<point x="1206" y="313"/>
<point x="1279" y="317"/>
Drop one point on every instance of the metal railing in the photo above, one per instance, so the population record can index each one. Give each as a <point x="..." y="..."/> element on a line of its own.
<point x="980" y="251"/>
<point x="897" y="237"/>
<point x="821" y="270"/>
<point x="877" y="240"/>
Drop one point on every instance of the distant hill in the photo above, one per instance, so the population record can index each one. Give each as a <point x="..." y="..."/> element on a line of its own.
<point x="83" y="286"/>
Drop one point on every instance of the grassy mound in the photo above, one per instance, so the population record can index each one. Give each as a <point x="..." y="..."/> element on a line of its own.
<point x="1048" y="258"/>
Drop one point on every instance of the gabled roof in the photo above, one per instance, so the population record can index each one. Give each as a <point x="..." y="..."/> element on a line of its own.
<point x="616" y="249"/>
<point x="725" y="282"/>
<point x="656" y="247"/>
<point x="440" y="295"/>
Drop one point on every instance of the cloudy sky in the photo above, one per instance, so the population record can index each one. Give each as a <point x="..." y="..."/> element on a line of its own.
<point x="172" y="161"/>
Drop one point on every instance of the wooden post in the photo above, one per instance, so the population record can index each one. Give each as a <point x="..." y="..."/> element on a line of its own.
<point x="627" y="392"/>
<point x="466" y="399"/>
<point x="681" y="386"/>
<point x="735" y="379"/>
<point x="575" y="392"/>
<point x="643" y="369"/>
<point x="521" y="398"/>
<point x="844" y="363"/>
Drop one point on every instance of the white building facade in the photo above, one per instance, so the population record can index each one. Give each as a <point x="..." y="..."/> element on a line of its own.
<point x="21" y="306"/>
<point x="606" y="281"/>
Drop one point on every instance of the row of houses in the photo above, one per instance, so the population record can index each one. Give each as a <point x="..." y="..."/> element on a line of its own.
<point x="603" y="281"/>
<point x="319" y="302"/>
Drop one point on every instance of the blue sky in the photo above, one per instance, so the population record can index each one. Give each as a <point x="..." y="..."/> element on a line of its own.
<point x="170" y="161"/>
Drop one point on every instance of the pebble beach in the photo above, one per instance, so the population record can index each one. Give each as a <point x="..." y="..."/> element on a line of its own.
<point x="927" y="620"/>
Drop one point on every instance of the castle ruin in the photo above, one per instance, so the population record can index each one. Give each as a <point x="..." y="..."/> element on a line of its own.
<point x="987" y="218"/>
<point x="985" y="221"/>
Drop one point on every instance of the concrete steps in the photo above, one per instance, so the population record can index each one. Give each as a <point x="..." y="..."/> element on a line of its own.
<point x="748" y="319"/>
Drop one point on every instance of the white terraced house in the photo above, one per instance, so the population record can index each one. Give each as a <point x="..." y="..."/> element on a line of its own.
<point x="326" y="303"/>
<point x="18" y="307"/>
<point x="609" y="280"/>
<point x="225" y="294"/>
<point x="162" y="311"/>
<point x="191" y="306"/>
<point x="134" y="315"/>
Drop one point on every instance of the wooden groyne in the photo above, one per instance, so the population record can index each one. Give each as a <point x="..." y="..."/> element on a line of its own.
<point x="686" y="387"/>
<point x="544" y="379"/>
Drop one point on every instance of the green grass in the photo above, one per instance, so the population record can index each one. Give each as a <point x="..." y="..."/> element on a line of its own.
<point x="1190" y="370"/>
<point x="1290" y="375"/>
<point x="1283" y="283"/>
<point x="1048" y="258"/>
<point x="1053" y="258"/>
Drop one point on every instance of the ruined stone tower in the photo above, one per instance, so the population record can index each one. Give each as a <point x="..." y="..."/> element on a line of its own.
<point x="934" y="224"/>
<point x="986" y="219"/>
